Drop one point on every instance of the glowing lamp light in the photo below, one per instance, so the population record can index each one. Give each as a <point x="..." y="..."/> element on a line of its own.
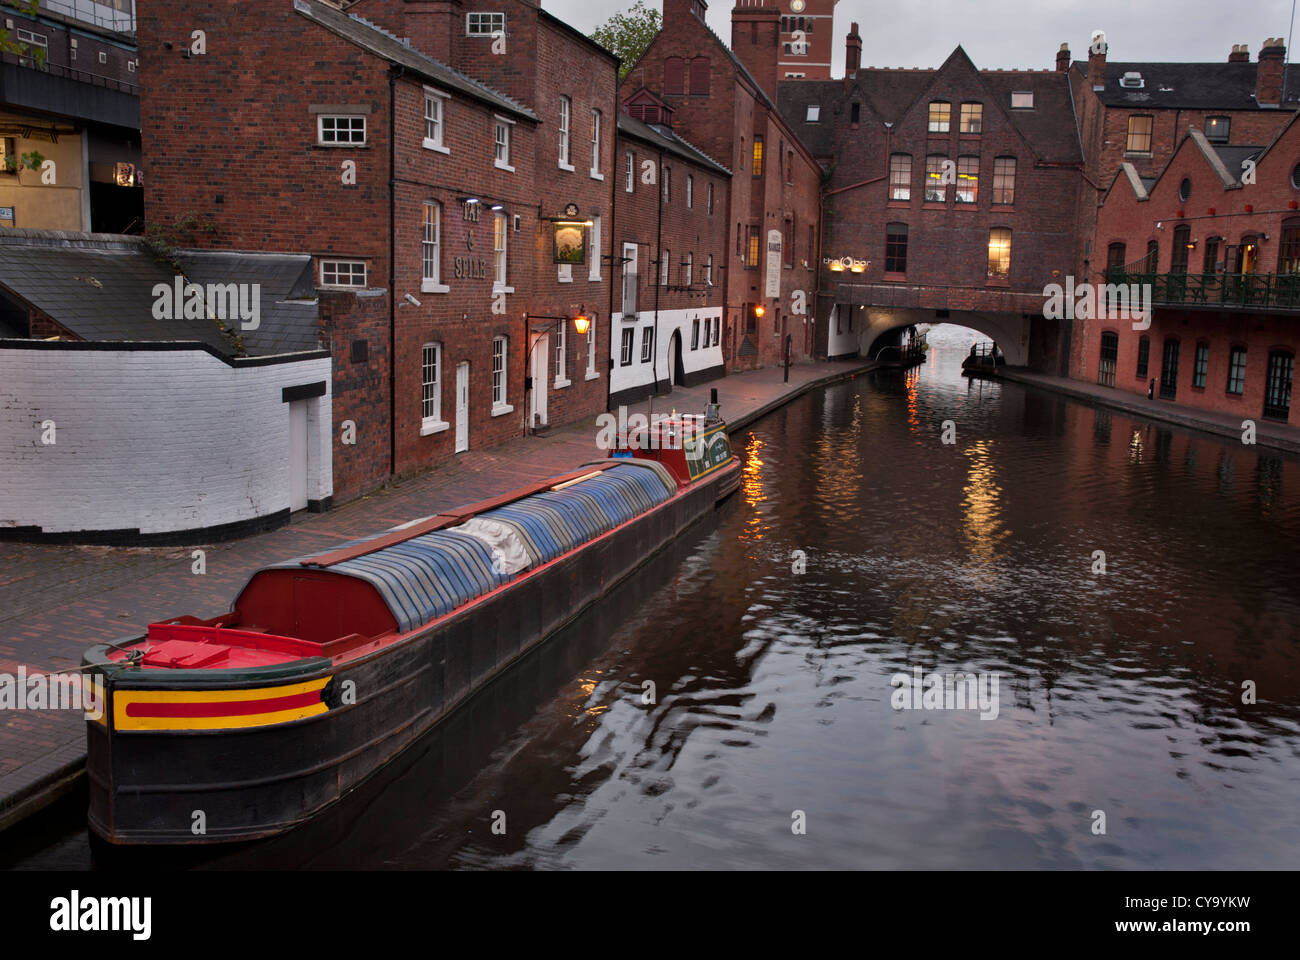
<point x="836" y="266"/>
<point x="858" y="266"/>
<point x="582" y="323"/>
<point x="760" y="310"/>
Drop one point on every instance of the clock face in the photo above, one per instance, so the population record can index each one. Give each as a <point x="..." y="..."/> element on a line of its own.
<point x="796" y="6"/>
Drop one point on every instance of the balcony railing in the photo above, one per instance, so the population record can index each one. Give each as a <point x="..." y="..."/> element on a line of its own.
<point x="71" y="73"/>
<point x="1253" y="291"/>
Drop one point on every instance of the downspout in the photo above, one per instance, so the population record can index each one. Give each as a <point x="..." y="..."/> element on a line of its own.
<point x="397" y="70"/>
<point x="659" y="250"/>
<point x="613" y="244"/>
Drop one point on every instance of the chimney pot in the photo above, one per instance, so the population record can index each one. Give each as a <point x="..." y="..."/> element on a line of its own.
<point x="1268" y="73"/>
<point x="1063" y="58"/>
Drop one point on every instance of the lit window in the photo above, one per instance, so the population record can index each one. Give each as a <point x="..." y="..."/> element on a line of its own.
<point x="1139" y="135"/>
<point x="900" y="177"/>
<point x="940" y="116"/>
<point x="936" y="190"/>
<point x="999" y="253"/>
<point x="499" y="250"/>
<point x="1216" y="129"/>
<point x="752" y="259"/>
<point x="348" y="131"/>
<point x="968" y="179"/>
<point x="758" y="156"/>
<point x="972" y="118"/>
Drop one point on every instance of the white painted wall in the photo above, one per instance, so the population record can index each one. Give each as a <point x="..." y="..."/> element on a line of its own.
<point x="640" y="374"/>
<point x="158" y="441"/>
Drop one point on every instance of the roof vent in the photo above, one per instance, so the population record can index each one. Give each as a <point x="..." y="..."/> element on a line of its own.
<point x="1132" y="81"/>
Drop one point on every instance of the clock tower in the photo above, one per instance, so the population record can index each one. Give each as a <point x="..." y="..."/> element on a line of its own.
<point x="806" y="40"/>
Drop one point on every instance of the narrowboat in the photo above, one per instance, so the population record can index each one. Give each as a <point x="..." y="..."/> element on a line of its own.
<point x="243" y="725"/>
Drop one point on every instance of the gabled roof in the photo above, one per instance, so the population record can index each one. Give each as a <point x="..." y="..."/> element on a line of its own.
<point x="378" y="41"/>
<point x="666" y="139"/>
<point x="1189" y="86"/>
<point x="1049" y="128"/>
<point x="100" y="287"/>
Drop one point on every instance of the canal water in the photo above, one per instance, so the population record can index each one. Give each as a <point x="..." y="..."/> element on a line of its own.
<point x="1116" y="587"/>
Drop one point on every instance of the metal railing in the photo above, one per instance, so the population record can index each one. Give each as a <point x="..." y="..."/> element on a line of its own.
<point x="81" y="76"/>
<point x="100" y="14"/>
<point x="1246" y="290"/>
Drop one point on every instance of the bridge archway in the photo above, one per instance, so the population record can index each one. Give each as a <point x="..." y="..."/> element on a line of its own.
<point x="862" y="330"/>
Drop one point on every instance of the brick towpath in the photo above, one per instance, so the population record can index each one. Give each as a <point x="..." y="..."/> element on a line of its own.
<point x="55" y="601"/>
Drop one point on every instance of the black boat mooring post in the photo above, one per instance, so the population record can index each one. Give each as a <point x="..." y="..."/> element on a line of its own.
<point x="787" y="358"/>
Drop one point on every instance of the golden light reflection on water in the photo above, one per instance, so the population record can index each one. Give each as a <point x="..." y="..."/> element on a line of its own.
<point x="910" y="383"/>
<point x="838" y="462"/>
<point x="982" y="507"/>
<point x="752" y="490"/>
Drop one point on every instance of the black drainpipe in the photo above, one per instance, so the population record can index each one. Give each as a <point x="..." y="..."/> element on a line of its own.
<point x="659" y="252"/>
<point x="397" y="70"/>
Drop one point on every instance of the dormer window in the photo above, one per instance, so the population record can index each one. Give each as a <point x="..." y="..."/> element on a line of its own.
<point x="1022" y="100"/>
<point x="1216" y="129"/>
<point x="1132" y="81"/>
<point x="814" y="113"/>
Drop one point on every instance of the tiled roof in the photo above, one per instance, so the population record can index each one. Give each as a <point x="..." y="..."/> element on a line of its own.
<point x="100" y="287"/>
<point x="381" y="43"/>
<point x="1192" y="86"/>
<point x="667" y="139"/>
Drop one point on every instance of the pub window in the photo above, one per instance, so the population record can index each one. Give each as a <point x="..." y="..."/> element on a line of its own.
<point x="430" y="245"/>
<point x="430" y="380"/>
<point x="498" y="372"/>
<point x="896" y="248"/>
<point x="1200" y="365"/>
<point x="595" y="144"/>
<point x="647" y="343"/>
<point x="940" y="116"/>
<point x="1144" y="356"/>
<point x="1216" y="129"/>
<point x="561" y="353"/>
<point x="999" y="253"/>
<point x="625" y="348"/>
<point x="695" y="334"/>
<point x="1004" y="180"/>
<point x="972" y="118"/>
<point x="502" y="133"/>
<point x="1139" y="135"/>
<point x="435" y="106"/>
<point x="968" y="179"/>
<point x="1109" y="357"/>
<point x="900" y="177"/>
<point x="1237" y="370"/>
<point x="566" y="115"/>
<point x="499" y="251"/>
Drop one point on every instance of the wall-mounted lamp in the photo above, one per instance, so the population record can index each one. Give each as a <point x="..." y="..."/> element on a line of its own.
<point x="760" y="310"/>
<point x="582" y="323"/>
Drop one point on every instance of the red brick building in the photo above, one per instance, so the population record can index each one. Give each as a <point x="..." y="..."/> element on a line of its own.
<point x="449" y="317"/>
<point x="1215" y="238"/>
<point x="670" y="245"/>
<point x="723" y="102"/>
<point x="952" y="194"/>
<point x="807" y="38"/>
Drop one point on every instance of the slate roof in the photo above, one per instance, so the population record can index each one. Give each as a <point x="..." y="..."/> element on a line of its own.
<point x="387" y="46"/>
<point x="1190" y="86"/>
<point x="100" y="287"/>
<point x="1049" y="128"/>
<point x="668" y="140"/>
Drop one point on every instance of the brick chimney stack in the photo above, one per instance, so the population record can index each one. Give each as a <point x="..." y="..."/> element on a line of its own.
<point x="852" y="52"/>
<point x="1268" y="73"/>
<point x="755" y="40"/>
<point x="1063" y="58"/>
<point x="1097" y="61"/>
<point x="1240" y="53"/>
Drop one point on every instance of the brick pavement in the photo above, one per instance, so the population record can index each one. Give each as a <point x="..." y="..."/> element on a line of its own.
<point x="55" y="601"/>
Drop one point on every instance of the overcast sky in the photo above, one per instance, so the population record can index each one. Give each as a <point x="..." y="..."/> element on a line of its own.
<point x="1019" y="35"/>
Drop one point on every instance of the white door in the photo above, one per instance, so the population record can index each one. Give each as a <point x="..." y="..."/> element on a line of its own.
<point x="462" y="406"/>
<point x="539" y="348"/>
<point x="298" y="455"/>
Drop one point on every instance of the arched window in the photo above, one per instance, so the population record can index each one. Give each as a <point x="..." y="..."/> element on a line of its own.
<point x="1114" y="260"/>
<point x="1277" y="384"/>
<point x="1109" y="356"/>
<point x="1182" y="249"/>
<point x="1153" y="256"/>
<point x="1288" y="253"/>
<point x="1213" y="249"/>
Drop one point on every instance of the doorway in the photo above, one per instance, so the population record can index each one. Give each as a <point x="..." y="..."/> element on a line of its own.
<point x="537" y="351"/>
<point x="462" y="406"/>
<point x="298" y="455"/>
<point x="1169" y="371"/>
<point x="676" y="370"/>
<point x="1277" y="386"/>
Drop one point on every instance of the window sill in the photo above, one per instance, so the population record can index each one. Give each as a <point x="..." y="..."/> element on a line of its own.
<point x="899" y="204"/>
<point x="561" y="384"/>
<point x="432" y="286"/>
<point x="597" y="175"/>
<point x="934" y="205"/>
<point x="895" y="277"/>
<point x="997" y="283"/>
<point x="568" y="167"/>
<point x="503" y="166"/>
<point x="343" y="146"/>
<point x="964" y="205"/>
<point x="430" y="427"/>
<point x="436" y="147"/>
<point x="564" y="278"/>
<point x="595" y="278"/>
<point x="592" y="376"/>
<point x="500" y="410"/>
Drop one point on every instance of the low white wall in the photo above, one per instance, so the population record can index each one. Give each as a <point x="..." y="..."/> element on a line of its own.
<point x="154" y="440"/>
<point x="639" y="374"/>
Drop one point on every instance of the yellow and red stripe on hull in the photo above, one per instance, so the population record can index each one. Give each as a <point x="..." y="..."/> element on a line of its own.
<point x="217" y="709"/>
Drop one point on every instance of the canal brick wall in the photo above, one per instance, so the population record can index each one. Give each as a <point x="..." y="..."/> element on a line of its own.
<point x="55" y="601"/>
